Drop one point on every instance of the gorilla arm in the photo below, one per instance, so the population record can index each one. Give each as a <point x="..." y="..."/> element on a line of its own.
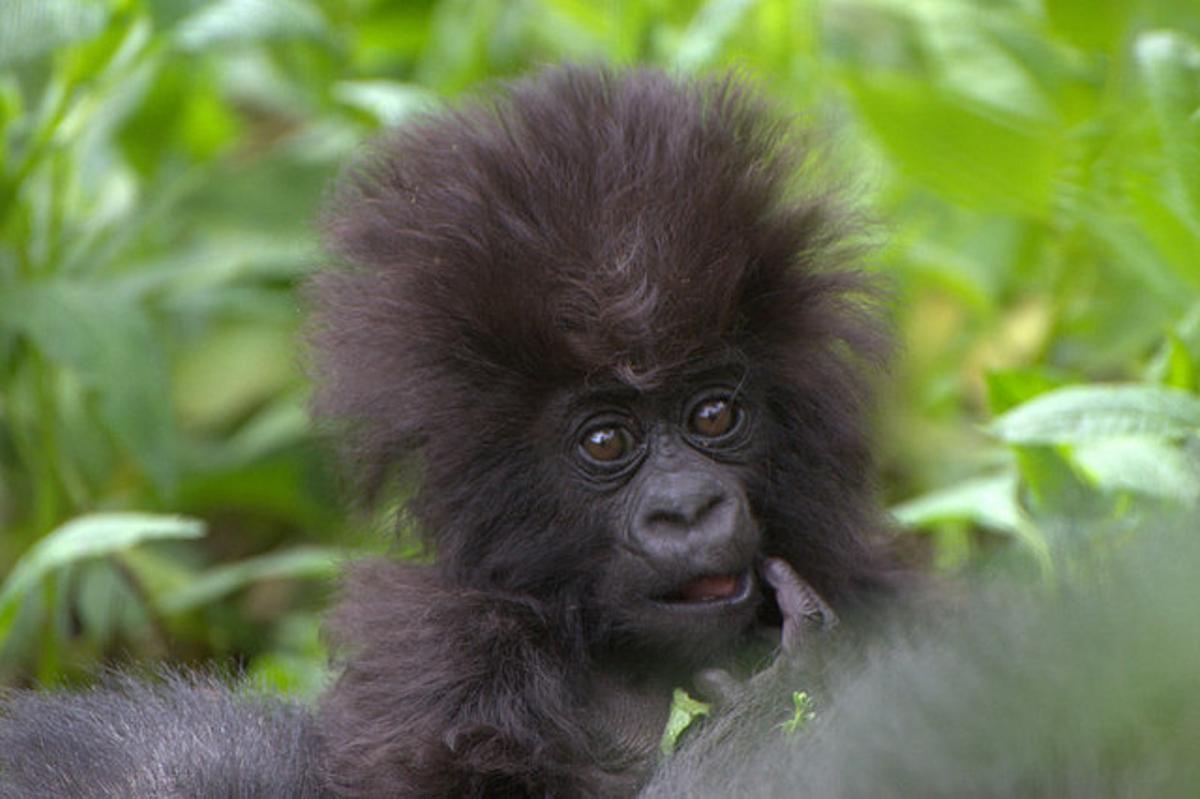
<point x="183" y="736"/>
<point x="462" y="693"/>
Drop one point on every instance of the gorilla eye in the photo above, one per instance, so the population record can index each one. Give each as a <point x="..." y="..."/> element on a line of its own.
<point x="607" y="444"/>
<point x="714" y="417"/>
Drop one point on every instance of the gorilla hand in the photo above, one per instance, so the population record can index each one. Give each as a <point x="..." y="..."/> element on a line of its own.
<point x="804" y="614"/>
<point x="802" y="609"/>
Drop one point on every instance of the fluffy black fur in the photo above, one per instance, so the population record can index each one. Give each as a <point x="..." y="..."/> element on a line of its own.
<point x="582" y="239"/>
<point x="582" y="228"/>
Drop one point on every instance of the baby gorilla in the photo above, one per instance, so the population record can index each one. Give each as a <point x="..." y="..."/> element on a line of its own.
<point x="620" y="355"/>
<point x="625" y="347"/>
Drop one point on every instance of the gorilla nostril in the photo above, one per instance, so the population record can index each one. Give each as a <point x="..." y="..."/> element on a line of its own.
<point x="666" y="518"/>
<point x="715" y="501"/>
<point x="684" y="512"/>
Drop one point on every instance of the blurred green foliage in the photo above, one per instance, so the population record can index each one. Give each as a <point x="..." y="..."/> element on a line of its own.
<point x="1036" y="165"/>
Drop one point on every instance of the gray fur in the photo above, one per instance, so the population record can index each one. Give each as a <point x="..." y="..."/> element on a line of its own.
<point x="1087" y="688"/>
<point x="184" y="736"/>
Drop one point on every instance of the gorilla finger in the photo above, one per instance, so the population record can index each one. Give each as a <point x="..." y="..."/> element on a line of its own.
<point x="801" y="607"/>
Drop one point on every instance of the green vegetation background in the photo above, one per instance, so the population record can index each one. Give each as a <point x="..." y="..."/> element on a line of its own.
<point x="1034" y="164"/>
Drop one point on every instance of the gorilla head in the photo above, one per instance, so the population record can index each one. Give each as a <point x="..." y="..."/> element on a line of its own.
<point x="624" y="344"/>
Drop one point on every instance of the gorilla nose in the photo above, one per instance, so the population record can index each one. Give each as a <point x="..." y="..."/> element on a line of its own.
<point x="687" y="510"/>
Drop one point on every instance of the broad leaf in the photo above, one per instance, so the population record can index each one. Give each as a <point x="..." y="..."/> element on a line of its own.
<point x="30" y="28"/>
<point x="1090" y="413"/>
<point x="109" y="342"/>
<point x="86" y="537"/>
<point x="300" y="562"/>
<point x="239" y="21"/>
<point x="986" y="501"/>
<point x="1170" y="65"/>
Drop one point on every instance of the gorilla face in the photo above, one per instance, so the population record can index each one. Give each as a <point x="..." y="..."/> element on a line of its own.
<point x="672" y="470"/>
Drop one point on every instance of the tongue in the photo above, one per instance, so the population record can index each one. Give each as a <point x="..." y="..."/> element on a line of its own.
<point x="715" y="587"/>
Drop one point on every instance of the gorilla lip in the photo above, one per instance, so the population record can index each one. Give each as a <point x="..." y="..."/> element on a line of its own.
<point x="711" y="589"/>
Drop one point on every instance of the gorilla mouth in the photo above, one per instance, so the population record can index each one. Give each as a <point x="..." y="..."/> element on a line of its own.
<point x="711" y="589"/>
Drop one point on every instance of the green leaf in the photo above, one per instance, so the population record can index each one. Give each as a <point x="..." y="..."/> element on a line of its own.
<point x="106" y="606"/>
<point x="1147" y="466"/>
<point x="684" y="712"/>
<point x="297" y="563"/>
<point x="1098" y="24"/>
<point x="1174" y="366"/>
<point x="108" y="341"/>
<point x="29" y="28"/>
<point x="297" y="663"/>
<point x="1170" y="66"/>
<point x="1008" y="388"/>
<point x="240" y="21"/>
<point x="1081" y="414"/>
<point x="709" y="29"/>
<point x="462" y="36"/>
<point x="969" y="152"/>
<point x="1054" y="488"/>
<point x="281" y="424"/>
<point x="987" y="501"/>
<point x="802" y="713"/>
<point x="1134" y="254"/>
<point x="232" y="372"/>
<point x="82" y="538"/>
<point x="389" y="102"/>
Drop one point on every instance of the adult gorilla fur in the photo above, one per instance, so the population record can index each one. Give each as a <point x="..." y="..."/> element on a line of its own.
<point x="1081" y="687"/>
<point x="623" y="356"/>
